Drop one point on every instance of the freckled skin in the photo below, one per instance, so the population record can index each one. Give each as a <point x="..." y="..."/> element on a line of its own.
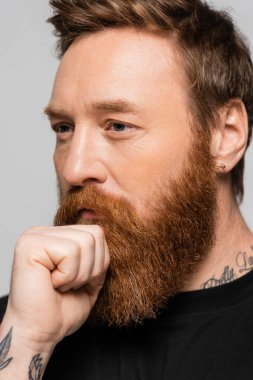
<point x="141" y="68"/>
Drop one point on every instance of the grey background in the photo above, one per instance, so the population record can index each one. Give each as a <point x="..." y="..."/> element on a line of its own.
<point x="27" y="68"/>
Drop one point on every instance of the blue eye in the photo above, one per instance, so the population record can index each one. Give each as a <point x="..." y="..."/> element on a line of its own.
<point x="118" y="127"/>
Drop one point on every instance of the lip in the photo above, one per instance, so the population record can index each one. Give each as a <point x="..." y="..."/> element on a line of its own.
<point x="90" y="214"/>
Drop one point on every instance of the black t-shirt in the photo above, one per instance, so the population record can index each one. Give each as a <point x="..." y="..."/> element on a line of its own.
<point x="202" y="335"/>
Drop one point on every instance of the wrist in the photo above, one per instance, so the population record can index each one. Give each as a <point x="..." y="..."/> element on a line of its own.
<point x="23" y="356"/>
<point x="26" y="338"/>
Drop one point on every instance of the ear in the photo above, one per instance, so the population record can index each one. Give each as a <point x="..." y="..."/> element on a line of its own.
<point x="229" y="138"/>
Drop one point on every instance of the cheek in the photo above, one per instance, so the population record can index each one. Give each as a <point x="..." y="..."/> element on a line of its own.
<point x="146" y="168"/>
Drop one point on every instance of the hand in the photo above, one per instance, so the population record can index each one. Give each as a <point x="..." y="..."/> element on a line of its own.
<point x="56" y="278"/>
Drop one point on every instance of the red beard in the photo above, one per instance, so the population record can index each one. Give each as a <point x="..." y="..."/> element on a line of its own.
<point x="152" y="259"/>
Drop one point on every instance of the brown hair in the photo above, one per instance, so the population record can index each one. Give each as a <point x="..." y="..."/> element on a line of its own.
<point x="216" y="57"/>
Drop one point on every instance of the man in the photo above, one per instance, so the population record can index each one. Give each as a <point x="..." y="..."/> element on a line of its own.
<point x="146" y="273"/>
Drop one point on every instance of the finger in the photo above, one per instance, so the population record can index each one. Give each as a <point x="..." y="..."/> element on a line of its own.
<point x="87" y="260"/>
<point x="61" y="256"/>
<point x="100" y="248"/>
<point x="67" y="261"/>
<point x="96" y="283"/>
<point x="76" y="232"/>
<point x="102" y="260"/>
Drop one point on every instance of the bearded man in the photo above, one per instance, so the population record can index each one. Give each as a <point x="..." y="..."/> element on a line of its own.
<point x="146" y="273"/>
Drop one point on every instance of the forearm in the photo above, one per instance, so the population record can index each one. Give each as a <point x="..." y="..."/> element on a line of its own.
<point x="48" y="300"/>
<point x="21" y="358"/>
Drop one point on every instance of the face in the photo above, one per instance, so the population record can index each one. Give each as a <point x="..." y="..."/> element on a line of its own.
<point x="126" y="159"/>
<point x="119" y="111"/>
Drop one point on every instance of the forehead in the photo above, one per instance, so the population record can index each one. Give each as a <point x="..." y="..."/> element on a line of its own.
<point x="120" y="63"/>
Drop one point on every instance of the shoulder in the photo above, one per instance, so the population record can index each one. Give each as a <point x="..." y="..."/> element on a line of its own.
<point x="3" y="305"/>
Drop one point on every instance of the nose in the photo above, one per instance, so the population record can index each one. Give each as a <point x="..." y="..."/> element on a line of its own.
<point x="84" y="159"/>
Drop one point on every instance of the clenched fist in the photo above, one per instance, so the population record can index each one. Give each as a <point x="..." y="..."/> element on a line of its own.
<point x="56" y="278"/>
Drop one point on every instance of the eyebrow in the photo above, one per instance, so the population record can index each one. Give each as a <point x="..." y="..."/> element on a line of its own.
<point x="105" y="106"/>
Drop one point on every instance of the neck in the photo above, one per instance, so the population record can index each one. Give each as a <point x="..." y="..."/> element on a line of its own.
<point x="232" y="255"/>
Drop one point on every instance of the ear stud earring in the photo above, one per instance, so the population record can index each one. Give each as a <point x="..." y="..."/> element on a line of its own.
<point x="222" y="166"/>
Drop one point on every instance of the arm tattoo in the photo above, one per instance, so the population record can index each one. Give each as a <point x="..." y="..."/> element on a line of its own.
<point x="4" y="350"/>
<point x="35" y="368"/>
<point x="227" y="276"/>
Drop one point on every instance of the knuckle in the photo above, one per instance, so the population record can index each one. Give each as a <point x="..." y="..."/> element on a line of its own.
<point x="27" y="237"/>
<point x="23" y="241"/>
<point x="90" y="240"/>
<point x="72" y="248"/>
<point x="99" y="232"/>
<point x="75" y="252"/>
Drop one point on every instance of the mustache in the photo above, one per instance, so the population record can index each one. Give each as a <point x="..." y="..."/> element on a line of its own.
<point x="112" y="208"/>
